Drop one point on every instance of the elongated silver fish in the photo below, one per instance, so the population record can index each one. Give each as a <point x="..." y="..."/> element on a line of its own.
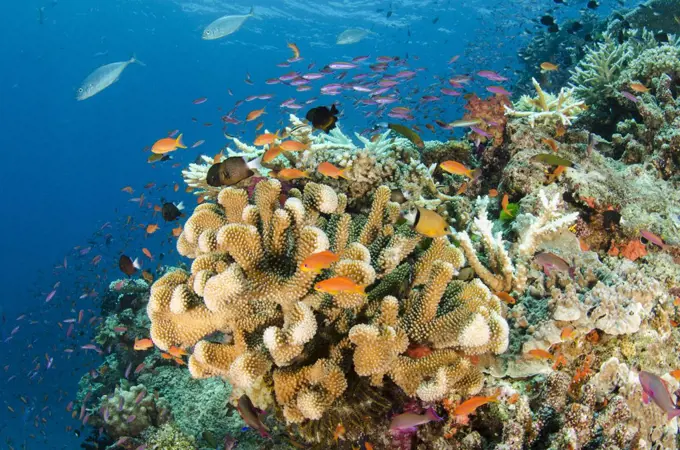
<point x="102" y="78"/>
<point x="225" y="25"/>
<point x="352" y="36"/>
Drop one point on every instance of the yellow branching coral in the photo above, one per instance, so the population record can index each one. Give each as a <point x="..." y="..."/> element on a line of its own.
<point x="254" y="318"/>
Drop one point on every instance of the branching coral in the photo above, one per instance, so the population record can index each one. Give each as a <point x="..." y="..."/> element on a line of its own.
<point x="386" y="161"/>
<point x="547" y="108"/>
<point x="246" y="283"/>
<point x="596" y="76"/>
<point x="499" y="276"/>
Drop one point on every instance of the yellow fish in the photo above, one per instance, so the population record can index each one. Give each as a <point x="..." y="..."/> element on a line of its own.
<point x="428" y="223"/>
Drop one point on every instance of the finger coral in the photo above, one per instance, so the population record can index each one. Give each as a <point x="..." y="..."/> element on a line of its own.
<point x="254" y="318"/>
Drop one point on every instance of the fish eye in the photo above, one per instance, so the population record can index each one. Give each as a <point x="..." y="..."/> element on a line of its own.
<point x="207" y="32"/>
<point x="80" y="90"/>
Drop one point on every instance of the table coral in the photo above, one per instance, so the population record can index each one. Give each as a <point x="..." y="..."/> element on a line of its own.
<point x="288" y="346"/>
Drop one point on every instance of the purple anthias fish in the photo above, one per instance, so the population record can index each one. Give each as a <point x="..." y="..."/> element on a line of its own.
<point x="550" y="262"/>
<point x="654" y="388"/>
<point x="629" y="96"/>
<point x="410" y="420"/>
<point x="251" y="416"/>
<point x="341" y="65"/>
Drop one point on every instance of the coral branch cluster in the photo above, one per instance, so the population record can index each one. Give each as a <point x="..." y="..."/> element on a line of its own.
<point x="253" y="317"/>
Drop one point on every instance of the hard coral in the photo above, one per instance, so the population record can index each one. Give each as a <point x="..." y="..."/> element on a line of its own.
<point x="246" y="283"/>
<point x="547" y="108"/>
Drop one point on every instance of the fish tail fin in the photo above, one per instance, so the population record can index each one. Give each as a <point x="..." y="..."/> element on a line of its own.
<point x="133" y="59"/>
<point x="360" y="290"/>
<point x="180" y="206"/>
<point x="431" y="414"/>
<point x="179" y="142"/>
<point x="343" y="175"/>
<point x="255" y="164"/>
<point x="252" y="11"/>
<point x="136" y="264"/>
<point x="334" y="110"/>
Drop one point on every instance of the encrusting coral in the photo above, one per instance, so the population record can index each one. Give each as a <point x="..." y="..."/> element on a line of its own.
<point x="288" y="346"/>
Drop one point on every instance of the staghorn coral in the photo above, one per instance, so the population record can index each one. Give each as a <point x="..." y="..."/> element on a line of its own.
<point x="547" y="108"/>
<point x="595" y="77"/>
<point x="301" y="351"/>
<point x="497" y="255"/>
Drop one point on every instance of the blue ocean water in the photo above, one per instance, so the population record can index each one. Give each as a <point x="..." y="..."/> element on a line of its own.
<point x="65" y="162"/>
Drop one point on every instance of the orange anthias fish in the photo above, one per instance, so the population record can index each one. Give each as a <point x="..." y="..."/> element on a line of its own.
<point x="296" y="50"/>
<point x="337" y="285"/>
<point x="143" y="344"/>
<point x="540" y="354"/>
<point x="167" y="145"/>
<point x="548" y="67"/>
<point x="266" y="139"/>
<point x="552" y="143"/>
<point x="147" y="253"/>
<point x="166" y="356"/>
<point x="504" y="205"/>
<point x="339" y="432"/>
<point x="176" y="351"/>
<point x="293" y="146"/>
<point x="319" y="261"/>
<point x="456" y="168"/>
<point x="566" y="333"/>
<point x="177" y="231"/>
<point x="329" y="170"/>
<point x="417" y="351"/>
<point x="469" y="406"/>
<point x="252" y="115"/>
<point x="675" y="374"/>
<point x="493" y="193"/>
<point x="291" y="174"/>
<point x="271" y="153"/>
<point x="507" y="298"/>
<point x="556" y="174"/>
<point x="128" y="189"/>
<point x="152" y="228"/>
<point x="639" y="87"/>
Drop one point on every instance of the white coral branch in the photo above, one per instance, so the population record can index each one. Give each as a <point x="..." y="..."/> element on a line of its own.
<point x="499" y="260"/>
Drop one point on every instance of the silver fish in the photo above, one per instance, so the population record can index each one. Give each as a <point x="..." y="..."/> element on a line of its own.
<point x="102" y="78"/>
<point x="225" y="25"/>
<point x="352" y="36"/>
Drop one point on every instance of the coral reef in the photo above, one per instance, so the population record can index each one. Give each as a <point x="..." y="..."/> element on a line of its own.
<point x="547" y="108"/>
<point x="246" y="283"/>
<point x="387" y="160"/>
<point x="129" y="411"/>
<point x="491" y="112"/>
